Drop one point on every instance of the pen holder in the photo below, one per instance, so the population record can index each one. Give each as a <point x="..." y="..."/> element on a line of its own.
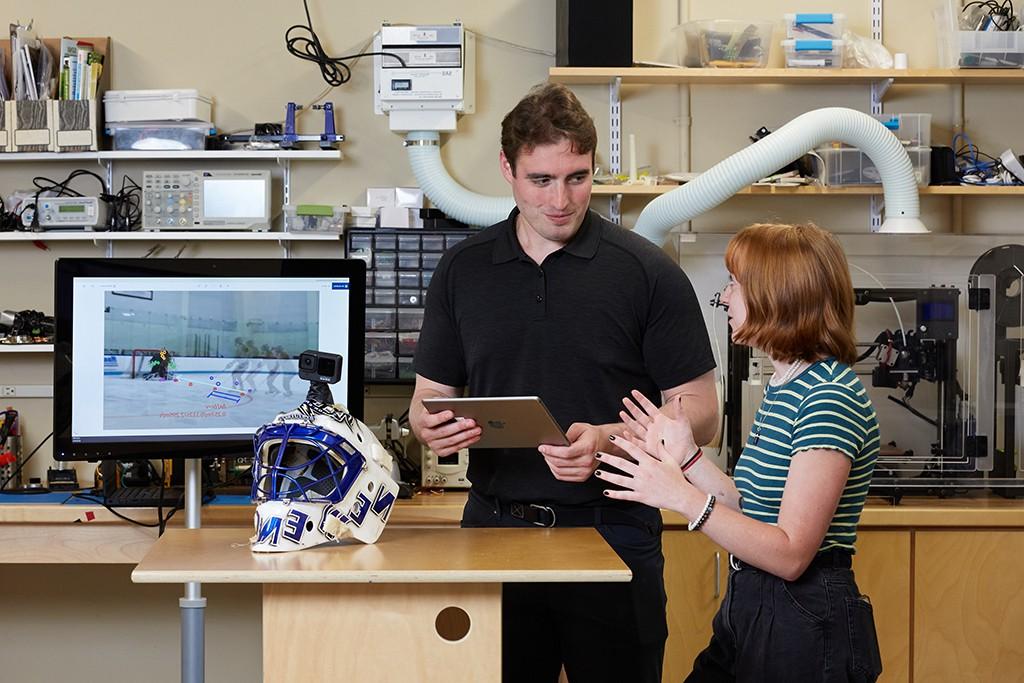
<point x="30" y="126"/>
<point x="74" y="125"/>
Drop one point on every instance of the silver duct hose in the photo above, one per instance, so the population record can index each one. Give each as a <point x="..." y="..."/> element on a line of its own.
<point x="790" y="142"/>
<point x="446" y="194"/>
<point x="715" y="185"/>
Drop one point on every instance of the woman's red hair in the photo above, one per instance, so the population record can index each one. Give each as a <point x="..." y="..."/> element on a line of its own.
<point x="797" y="290"/>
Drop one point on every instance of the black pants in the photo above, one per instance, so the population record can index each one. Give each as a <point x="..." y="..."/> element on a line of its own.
<point x="612" y="632"/>
<point x="817" y="629"/>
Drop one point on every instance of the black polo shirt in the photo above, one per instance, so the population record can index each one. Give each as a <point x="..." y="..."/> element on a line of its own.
<point x="607" y="313"/>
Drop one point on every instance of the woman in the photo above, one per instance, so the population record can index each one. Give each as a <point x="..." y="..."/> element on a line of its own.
<point x="792" y="611"/>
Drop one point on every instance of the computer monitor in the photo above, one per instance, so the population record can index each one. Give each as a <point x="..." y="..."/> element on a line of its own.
<point x="182" y="358"/>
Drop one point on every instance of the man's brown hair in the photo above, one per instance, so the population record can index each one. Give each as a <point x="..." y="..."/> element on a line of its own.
<point x="549" y="114"/>
<point x="797" y="290"/>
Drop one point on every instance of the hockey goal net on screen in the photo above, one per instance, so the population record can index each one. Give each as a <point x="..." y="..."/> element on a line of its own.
<point x="140" y="361"/>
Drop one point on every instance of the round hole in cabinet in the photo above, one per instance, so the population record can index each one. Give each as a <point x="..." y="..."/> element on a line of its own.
<point x="452" y="623"/>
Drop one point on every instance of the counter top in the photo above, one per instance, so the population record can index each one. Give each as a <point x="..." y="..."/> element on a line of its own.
<point x="402" y="555"/>
<point x="445" y="509"/>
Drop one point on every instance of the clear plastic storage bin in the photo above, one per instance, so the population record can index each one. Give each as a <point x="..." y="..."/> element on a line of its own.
<point x="850" y="166"/>
<point x="314" y="218"/>
<point x="813" y="54"/>
<point x="991" y="49"/>
<point x="162" y="136"/>
<point x="725" y="43"/>
<point x="381" y="343"/>
<point x="815" y="25"/>
<point x="913" y="130"/>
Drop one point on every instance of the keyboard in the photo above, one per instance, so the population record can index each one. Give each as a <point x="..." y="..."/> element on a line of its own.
<point x="146" y="496"/>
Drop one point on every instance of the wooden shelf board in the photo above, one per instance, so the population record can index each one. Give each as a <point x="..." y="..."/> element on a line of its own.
<point x="817" y="190"/>
<point x="643" y="75"/>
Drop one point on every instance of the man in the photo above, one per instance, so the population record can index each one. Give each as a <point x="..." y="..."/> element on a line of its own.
<point x="557" y="302"/>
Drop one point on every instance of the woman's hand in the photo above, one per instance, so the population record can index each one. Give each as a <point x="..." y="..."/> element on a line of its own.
<point x="651" y="429"/>
<point x="654" y="480"/>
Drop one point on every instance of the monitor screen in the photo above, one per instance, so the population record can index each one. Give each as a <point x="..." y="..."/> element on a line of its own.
<point x="177" y="358"/>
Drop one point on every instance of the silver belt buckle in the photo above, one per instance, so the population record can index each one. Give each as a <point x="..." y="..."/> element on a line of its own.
<point x="734" y="563"/>
<point x="554" y="518"/>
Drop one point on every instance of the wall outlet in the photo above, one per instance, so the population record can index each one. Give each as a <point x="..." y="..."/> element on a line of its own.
<point x="8" y="391"/>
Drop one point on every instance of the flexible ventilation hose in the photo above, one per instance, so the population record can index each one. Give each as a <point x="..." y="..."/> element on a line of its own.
<point x="790" y="142"/>
<point x="446" y="194"/>
<point x="714" y="186"/>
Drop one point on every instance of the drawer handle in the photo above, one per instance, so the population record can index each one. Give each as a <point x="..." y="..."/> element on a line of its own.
<point x="718" y="574"/>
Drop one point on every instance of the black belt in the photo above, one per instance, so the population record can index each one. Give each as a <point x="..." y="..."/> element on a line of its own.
<point x="562" y="515"/>
<point x="835" y="559"/>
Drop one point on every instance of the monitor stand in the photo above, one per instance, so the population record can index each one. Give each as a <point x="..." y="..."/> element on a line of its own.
<point x="193" y="604"/>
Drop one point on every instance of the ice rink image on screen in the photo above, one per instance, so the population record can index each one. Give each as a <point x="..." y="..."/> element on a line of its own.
<point x="217" y="359"/>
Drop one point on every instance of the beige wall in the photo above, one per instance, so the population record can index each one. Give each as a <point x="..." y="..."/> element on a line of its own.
<point x="238" y="57"/>
<point x="235" y="52"/>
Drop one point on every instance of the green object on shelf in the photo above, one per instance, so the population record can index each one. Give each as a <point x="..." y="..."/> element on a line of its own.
<point x="314" y="210"/>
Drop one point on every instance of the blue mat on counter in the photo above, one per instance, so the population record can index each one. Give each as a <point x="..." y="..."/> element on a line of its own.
<point x="59" y="497"/>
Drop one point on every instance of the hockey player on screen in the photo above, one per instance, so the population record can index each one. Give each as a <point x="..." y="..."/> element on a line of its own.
<point x="159" y="365"/>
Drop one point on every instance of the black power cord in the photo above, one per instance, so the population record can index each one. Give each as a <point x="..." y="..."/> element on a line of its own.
<point x="125" y="209"/>
<point x="335" y="70"/>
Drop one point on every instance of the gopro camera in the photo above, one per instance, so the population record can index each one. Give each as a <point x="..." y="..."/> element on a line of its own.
<point x="320" y="366"/>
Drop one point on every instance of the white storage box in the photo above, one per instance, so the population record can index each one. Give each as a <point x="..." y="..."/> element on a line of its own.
<point x="850" y="166"/>
<point x="812" y="25"/>
<point x="121" y="106"/>
<point x="314" y="218"/>
<point x="160" y="135"/>
<point x="813" y="54"/>
<point x="991" y="49"/>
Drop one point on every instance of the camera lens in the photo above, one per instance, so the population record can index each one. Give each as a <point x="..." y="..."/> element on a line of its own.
<point x="307" y="361"/>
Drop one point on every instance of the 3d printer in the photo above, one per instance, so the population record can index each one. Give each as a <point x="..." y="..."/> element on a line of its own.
<point x="979" y="413"/>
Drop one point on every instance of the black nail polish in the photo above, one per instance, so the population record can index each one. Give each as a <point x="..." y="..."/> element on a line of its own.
<point x="611" y="437"/>
<point x="604" y="492"/>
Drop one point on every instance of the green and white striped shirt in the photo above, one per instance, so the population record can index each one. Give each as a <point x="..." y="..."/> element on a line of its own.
<point x="827" y="407"/>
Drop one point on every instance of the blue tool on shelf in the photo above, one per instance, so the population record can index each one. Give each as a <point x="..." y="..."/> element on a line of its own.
<point x="288" y="138"/>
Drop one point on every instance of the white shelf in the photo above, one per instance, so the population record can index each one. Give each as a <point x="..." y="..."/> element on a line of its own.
<point x="238" y="155"/>
<point x="26" y="348"/>
<point x="169" y="236"/>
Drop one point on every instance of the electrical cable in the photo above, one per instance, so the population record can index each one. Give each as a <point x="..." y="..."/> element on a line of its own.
<point x="894" y="307"/>
<point x="125" y="206"/>
<point x="99" y="501"/>
<point x="516" y="46"/>
<point x="334" y="70"/>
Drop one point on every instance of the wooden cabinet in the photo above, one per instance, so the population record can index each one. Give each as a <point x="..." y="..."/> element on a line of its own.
<point x="883" y="572"/>
<point x="696" y="571"/>
<point x="968" y="606"/>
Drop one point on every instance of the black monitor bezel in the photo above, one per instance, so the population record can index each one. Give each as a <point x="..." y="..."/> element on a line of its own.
<point x="67" y="269"/>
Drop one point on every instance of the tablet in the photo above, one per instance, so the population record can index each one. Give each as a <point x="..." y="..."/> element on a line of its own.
<point x="506" y="421"/>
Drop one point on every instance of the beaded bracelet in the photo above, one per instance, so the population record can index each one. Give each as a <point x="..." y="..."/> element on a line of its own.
<point x="708" y="507"/>
<point x="693" y="459"/>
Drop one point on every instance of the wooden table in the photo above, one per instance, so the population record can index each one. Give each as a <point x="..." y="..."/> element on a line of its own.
<point x="419" y="605"/>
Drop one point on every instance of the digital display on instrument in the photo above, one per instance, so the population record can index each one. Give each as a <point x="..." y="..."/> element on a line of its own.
<point x="71" y="208"/>
<point x="234" y="197"/>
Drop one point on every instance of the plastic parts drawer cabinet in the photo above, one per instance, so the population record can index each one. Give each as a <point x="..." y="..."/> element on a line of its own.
<point x="400" y="264"/>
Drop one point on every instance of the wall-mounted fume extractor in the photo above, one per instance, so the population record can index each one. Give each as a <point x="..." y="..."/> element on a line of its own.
<point x="424" y="76"/>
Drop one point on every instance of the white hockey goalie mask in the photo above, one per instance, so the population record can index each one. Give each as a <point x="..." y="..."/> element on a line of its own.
<point x="319" y="475"/>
